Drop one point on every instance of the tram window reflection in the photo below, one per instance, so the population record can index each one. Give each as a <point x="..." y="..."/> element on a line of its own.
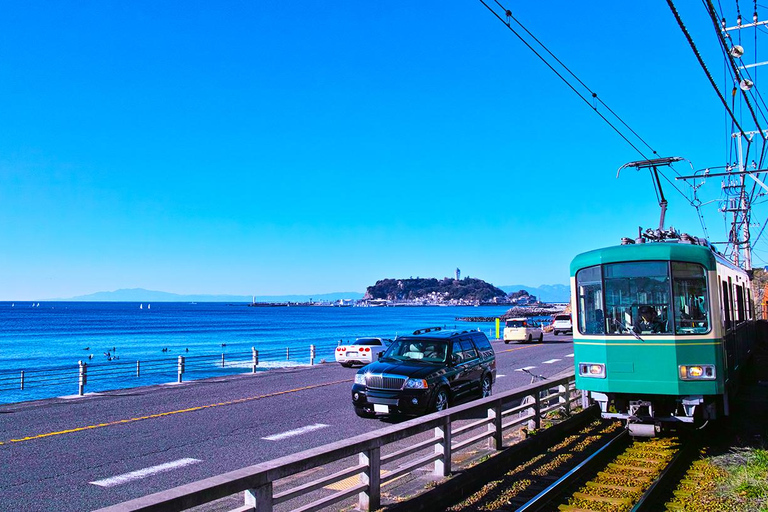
<point x="691" y="306"/>
<point x="637" y="297"/>
<point x="590" y="296"/>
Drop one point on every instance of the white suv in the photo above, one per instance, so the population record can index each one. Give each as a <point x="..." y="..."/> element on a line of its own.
<point x="562" y="324"/>
<point x="518" y="329"/>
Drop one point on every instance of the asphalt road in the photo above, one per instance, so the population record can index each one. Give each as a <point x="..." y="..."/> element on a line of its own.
<point x="89" y="452"/>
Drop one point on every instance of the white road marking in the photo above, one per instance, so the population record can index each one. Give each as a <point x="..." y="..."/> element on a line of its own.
<point x="295" y="432"/>
<point x="551" y="361"/>
<point x="497" y="376"/>
<point x="568" y="355"/>
<point x="143" y="473"/>
<point x="526" y="368"/>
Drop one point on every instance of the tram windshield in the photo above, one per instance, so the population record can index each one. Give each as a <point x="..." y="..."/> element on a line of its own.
<point x="690" y="298"/>
<point x="637" y="297"/>
<point x="643" y="297"/>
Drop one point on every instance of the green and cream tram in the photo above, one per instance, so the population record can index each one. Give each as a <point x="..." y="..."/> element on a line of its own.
<point x="661" y="330"/>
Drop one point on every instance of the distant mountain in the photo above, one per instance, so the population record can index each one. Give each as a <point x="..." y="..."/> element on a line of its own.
<point x="142" y="295"/>
<point x="545" y="292"/>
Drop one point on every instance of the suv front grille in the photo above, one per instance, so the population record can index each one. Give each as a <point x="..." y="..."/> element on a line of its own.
<point x="384" y="382"/>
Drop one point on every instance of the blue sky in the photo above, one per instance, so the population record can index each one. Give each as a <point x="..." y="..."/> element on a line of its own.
<point x="309" y="147"/>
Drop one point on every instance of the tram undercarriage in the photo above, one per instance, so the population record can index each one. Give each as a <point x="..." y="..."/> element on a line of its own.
<point x="648" y="415"/>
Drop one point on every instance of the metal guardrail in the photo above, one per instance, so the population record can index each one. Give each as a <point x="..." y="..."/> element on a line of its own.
<point x="499" y="413"/>
<point x="129" y="373"/>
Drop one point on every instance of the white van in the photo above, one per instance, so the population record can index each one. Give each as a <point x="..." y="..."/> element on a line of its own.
<point x="562" y="324"/>
<point x="519" y="329"/>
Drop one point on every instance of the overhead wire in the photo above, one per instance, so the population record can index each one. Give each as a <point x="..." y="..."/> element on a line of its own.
<point x="560" y="76"/>
<point x="703" y="65"/>
<point x="713" y="16"/>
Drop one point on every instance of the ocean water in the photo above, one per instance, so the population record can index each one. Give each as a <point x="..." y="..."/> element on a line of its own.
<point x="48" y="340"/>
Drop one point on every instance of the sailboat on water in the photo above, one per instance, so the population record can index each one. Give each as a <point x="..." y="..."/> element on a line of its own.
<point x="141" y="306"/>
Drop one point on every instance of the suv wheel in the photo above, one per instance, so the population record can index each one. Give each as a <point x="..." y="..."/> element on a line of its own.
<point x="440" y="402"/>
<point x="487" y="387"/>
<point x="556" y="332"/>
<point x="541" y="337"/>
<point x="364" y="413"/>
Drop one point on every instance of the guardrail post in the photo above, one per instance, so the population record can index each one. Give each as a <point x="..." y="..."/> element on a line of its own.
<point x="82" y="377"/>
<point x="222" y="360"/>
<point x="22" y="380"/>
<point x="565" y="397"/>
<point x="138" y="369"/>
<point x="255" y="358"/>
<point x="287" y="353"/>
<point x="370" y="498"/>
<point x="311" y="354"/>
<point x="260" y="498"/>
<point x="181" y="368"/>
<point x="494" y="413"/>
<point x="537" y="409"/>
<point x="443" y="448"/>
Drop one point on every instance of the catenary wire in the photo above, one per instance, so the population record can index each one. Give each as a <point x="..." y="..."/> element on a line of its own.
<point x="713" y="16"/>
<point x="703" y="65"/>
<point x="569" y="84"/>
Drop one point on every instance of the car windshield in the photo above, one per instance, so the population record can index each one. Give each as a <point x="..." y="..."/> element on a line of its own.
<point x="432" y="351"/>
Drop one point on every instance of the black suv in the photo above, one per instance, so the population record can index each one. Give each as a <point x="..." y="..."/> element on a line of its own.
<point x="425" y="372"/>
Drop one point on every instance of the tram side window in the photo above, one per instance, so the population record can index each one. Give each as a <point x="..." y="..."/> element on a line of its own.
<point x="740" y="303"/>
<point x="689" y="291"/>
<point x="589" y="288"/>
<point x="726" y="306"/>
<point x="750" y="306"/>
<point x="637" y="297"/>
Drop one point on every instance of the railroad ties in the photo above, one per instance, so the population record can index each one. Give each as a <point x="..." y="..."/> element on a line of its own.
<point x="624" y="481"/>
<point x="599" y="469"/>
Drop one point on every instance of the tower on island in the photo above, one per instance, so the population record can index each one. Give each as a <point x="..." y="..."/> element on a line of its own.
<point x="458" y="274"/>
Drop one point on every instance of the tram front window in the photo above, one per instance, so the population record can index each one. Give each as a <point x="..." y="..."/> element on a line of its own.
<point x="590" y="294"/>
<point x="689" y="290"/>
<point x="637" y="297"/>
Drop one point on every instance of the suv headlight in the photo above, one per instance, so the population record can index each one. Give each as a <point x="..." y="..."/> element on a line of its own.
<point x="415" y="384"/>
<point x="360" y="378"/>
<point x="594" y="370"/>
<point x="697" y="371"/>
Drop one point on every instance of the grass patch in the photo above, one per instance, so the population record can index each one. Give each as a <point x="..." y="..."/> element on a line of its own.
<point x="747" y="478"/>
<point x="736" y="481"/>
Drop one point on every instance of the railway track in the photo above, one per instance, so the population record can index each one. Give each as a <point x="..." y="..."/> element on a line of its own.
<point x="624" y="475"/>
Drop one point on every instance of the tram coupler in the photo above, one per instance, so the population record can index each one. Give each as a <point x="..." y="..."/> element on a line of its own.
<point x="643" y="429"/>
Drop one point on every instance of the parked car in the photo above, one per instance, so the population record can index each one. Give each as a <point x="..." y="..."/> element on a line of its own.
<point x="520" y="329"/>
<point x="562" y="324"/>
<point x="425" y="372"/>
<point x="364" y="351"/>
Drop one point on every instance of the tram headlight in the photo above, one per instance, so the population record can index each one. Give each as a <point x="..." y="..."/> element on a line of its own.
<point x="697" y="372"/>
<point x="594" y="370"/>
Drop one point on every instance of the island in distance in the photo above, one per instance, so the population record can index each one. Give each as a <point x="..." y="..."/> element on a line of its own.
<point x="448" y="291"/>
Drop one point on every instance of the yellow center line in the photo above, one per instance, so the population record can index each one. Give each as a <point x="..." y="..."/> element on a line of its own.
<point x="521" y="348"/>
<point x="162" y="414"/>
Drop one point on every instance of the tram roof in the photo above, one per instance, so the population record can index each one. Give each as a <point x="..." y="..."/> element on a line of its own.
<point x="651" y="251"/>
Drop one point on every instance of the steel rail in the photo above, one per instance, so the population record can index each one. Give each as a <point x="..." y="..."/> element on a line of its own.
<point x="544" y="500"/>
<point x="651" y="498"/>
